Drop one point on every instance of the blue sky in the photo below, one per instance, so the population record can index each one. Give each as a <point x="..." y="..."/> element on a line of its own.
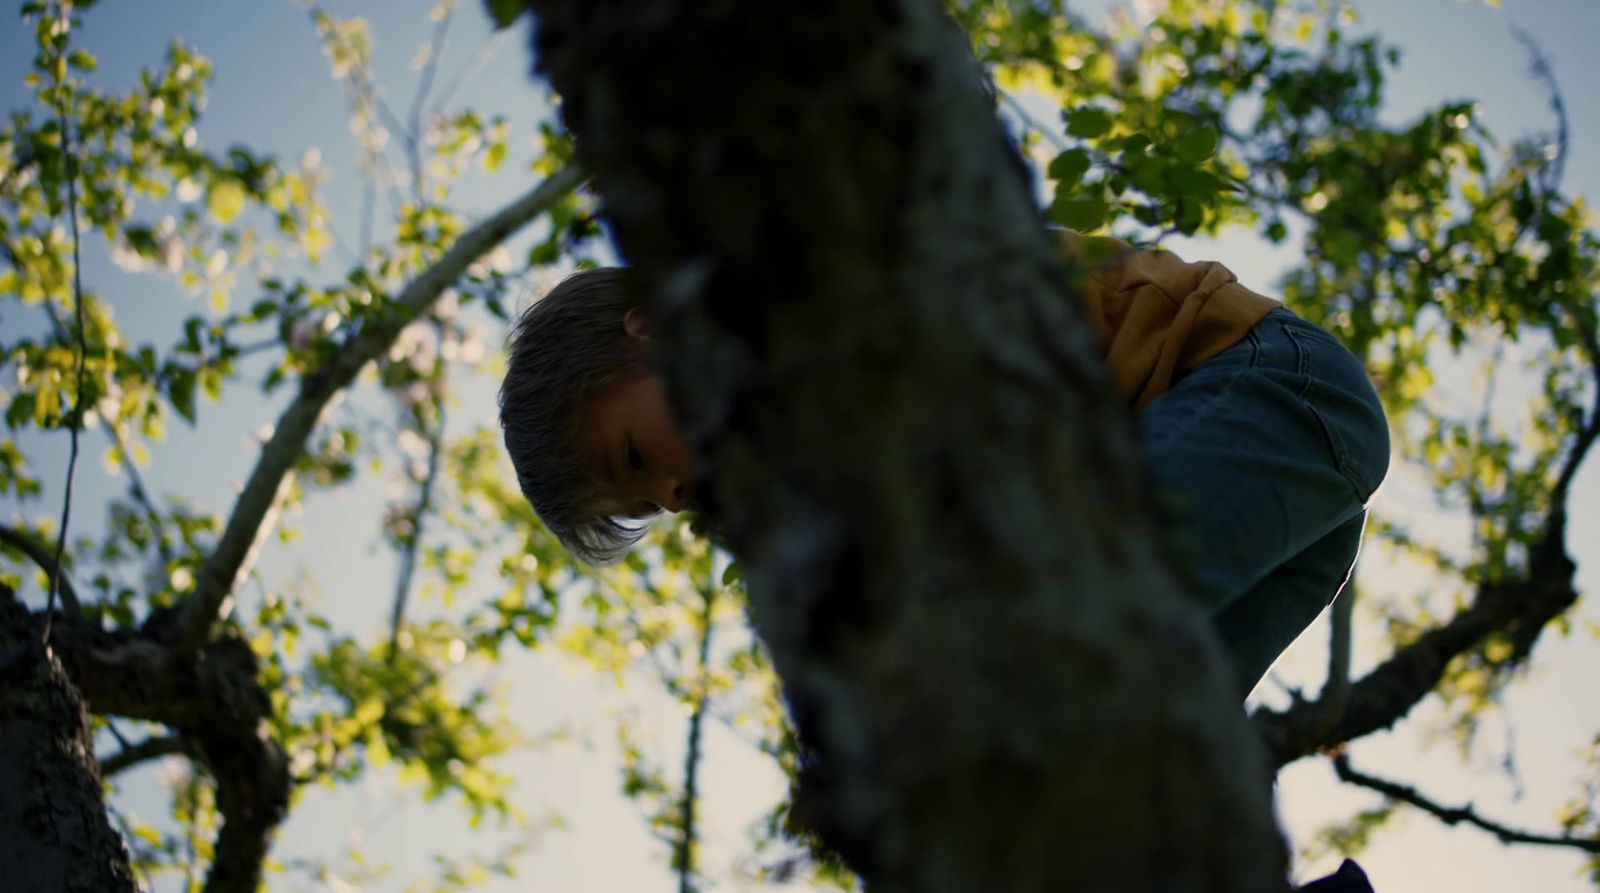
<point x="272" y="91"/>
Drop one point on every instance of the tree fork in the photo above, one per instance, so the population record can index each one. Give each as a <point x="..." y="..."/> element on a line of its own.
<point x="998" y="680"/>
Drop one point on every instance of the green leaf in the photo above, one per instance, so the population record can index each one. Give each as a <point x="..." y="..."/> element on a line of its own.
<point x="1088" y="122"/>
<point x="504" y="12"/>
<point x="1190" y="216"/>
<point x="1079" y="213"/>
<point x="226" y="200"/>
<point x="1196" y="145"/>
<point x="181" y="391"/>
<point x="494" y="157"/>
<point x="1136" y="143"/>
<point x="147" y="834"/>
<point x="1069" y="167"/>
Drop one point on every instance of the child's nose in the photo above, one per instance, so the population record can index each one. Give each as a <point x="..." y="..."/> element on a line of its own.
<point x="670" y="493"/>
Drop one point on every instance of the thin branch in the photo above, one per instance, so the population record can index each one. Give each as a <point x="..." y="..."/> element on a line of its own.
<point x="1028" y="120"/>
<point x="139" y="492"/>
<point x="369" y="198"/>
<point x="1336" y="690"/>
<point x="1586" y="436"/>
<point x="408" y="557"/>
<point x="50" y="564"/>
<point x="75" y="417"/>
<point x="253" y="514"/>
<point x="414" y="125"/>
<point x="1539" y="65"/>
<point x="1520" y="608"/>
<point x="683" y="857"/>
<point x="1452" y="815"/>
<point x="470" y="69"/>
<point x="144" y="751"/>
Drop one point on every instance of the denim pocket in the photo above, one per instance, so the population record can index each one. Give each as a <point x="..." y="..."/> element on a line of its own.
<point x="1340" y="396"/>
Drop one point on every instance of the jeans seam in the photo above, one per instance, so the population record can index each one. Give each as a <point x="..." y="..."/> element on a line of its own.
<point x="1304" y="347"/>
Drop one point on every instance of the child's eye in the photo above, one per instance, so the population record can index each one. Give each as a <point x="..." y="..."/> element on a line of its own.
<point x="635" y="458"/>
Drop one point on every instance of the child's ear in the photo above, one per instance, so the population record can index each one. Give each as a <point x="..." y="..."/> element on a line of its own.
<point x="636" y="326"/>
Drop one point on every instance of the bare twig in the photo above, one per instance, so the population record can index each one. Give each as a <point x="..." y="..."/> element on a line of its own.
<point x="50" y="564"/>
<point x="470" y="69"/>
<point x="144" y="751"/>
<point x="252" y="515"/>
<point x="1452" y="815"/>
<point x="1539" y="65"/>
<point x="420" y="101"/>
<point x="369" y="198"/>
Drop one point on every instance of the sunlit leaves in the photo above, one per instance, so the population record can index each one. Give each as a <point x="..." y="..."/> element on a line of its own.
<point x="226" y="200"/>
<point x="1420" y="238"/>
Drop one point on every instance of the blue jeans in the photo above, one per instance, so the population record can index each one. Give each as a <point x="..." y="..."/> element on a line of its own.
<point x="1268" y="453"/>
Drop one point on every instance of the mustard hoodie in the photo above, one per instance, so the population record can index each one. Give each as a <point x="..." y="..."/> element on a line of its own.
<point x="1156" y="315"/>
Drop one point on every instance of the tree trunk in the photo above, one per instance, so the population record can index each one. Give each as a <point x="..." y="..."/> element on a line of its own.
<point x="54" y="834"/>
<point x="909" y="441"/>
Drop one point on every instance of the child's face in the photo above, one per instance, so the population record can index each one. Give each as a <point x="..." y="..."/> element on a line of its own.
<point x="632" y="445"/>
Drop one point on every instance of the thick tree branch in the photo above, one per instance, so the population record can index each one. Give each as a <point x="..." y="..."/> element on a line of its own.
<point x="54" y="833"/>
<point x="41" y="555"/>
<point x="1452" y="815"/>
<point x="211" y="698"/>
<point x="144" y="751"/>
<point x="1520" y="608"/>
<point x="252" y="516"/>
<point x="907" y="437"/>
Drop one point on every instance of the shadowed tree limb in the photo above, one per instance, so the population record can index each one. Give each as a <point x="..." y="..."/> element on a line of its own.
<point x="1521" y="608"/>
<point x="144" y="751"/>
<point x="54" y="831"/>
<point x="211" y="698"/>
<point x="1452" y="815"/>
<point x="837" y="246"/>
<point x="252" y="515"/>
<point x="39" y="554"/>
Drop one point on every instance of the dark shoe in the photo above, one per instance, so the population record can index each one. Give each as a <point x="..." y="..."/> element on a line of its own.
<point x="1348" y="879"/>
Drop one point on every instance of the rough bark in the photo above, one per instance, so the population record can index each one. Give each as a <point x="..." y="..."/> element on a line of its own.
<point x="54" y="833"/>
<point x="908" y="439"/>
<point x="214" y="701"/>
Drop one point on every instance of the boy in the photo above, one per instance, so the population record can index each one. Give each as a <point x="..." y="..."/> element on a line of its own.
<point x="1262" y="429"/>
